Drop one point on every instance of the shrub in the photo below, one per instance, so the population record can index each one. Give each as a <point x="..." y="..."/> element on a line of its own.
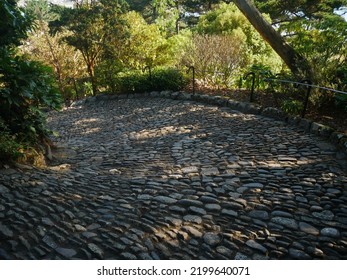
<point x="341" y="101"/>
<point x="158" y="80"/>
<point x="217" y="58"/>
<point x="293" y="107"/>
<point x="167" y="79"/>
<point x="9" y="148"/>
<point x="131" y="82"/>
<point x="25" y="87"/>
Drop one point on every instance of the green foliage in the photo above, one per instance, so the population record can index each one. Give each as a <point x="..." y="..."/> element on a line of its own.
<point x="50" y="49"/>
<point x="341" y="101"/>
<point x="9" y="147"/>
<point x="228" y="20"/>
<point x="167" y="79"/>
<point x="158" y="80"/>
<point x="95" y="29"/>
<point x="293" y="107"/>
<point x="261" y="72"/>
<point x="317" y="32"/>
<point x="26" y="86"/>
<point x="217" y="59"/>
<point x="145" y="45"/>
<point x="13" y="24"/>
<point x="239" y="45"/>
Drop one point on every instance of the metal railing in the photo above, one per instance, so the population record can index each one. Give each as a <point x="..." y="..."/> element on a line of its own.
<point x="305" y="83"/>
<point x="193" y="76"/>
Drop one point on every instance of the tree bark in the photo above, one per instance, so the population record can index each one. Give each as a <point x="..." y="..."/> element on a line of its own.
<point x="295" y="62"/>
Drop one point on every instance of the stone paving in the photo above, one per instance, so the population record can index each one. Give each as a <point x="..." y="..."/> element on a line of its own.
<point x="154" y="178"/>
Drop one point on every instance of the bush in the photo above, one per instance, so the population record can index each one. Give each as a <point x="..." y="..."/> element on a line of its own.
<point x="131" y="82"/>
<point x="9" y="148"/>
<point x="217" y="58"/>
<point x="341" y="101"/>
<point x="293" y="107"/>
<point x="26" y="86"/>
<point x="158" y="80"/>
<point x="167" y="79"/>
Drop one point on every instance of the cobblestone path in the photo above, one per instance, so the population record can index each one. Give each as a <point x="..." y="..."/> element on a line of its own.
<point x="166" y="179"/>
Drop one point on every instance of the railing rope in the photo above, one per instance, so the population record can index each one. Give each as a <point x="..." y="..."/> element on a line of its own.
<point x="305" y="84"/>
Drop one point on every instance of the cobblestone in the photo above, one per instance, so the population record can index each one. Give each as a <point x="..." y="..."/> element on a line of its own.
<point x="155" y="178"/>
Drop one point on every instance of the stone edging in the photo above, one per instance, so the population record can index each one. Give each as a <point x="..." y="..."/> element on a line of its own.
<point x="336" y="138"/>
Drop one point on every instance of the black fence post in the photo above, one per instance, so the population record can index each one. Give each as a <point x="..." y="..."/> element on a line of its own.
<point x="193" y="72"/>
<point x="308" y="85"/>
<point x="251" y="99"/>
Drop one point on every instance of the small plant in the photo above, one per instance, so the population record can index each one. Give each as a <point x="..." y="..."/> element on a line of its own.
<point x="9" y="148"/>
<point x="293" y="107"/>
<point x="341" y="101"/>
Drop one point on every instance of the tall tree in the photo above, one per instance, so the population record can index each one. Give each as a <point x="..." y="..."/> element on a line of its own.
<point x="94" y="25"/>
<point x="296" y="62"/>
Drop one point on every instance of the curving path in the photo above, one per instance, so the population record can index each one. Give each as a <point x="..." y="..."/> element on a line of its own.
<point x="153" y="178"/>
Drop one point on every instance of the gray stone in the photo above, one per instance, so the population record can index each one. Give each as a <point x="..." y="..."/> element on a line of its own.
<point x="229" y="212"/>
<point x="88" y="234"/>
<point x="253" y="185"/>
<point x="330" y="232"/>
<point x="192" y="219"/>
<point x="192" y="231"/>
<point x="255" y="245"/>
<point x="224" y="251"/>
<point x="95" y="250"/>
<point x="287" y="222"/>
<point x="209" y="171"/>
<point x="80" y="228"/>
<point x="241" y="257"/>
<point x="209" y="199"/>
<point x="66" y="252"/>
<point x="197" y="210"/>
<point x="298" y="254"/>
<point x="281" y="214"/>
<point x="211" y="238"/>
<point x="174" y="221"/>
<point x="144" y="197"/>
<point x="259" y="214"/>
<point x="325" y="215"/>
<point x="165" y="199"/>
<point x="3" y="189"/>
<point x="49" y="241"/>
<point x="189" y="202"/>
<point x="47" y="222"/>
<point x="213" y="207"/>
<point x="190" y="169"/>
<point x="128" y="256"/>
<point x="5" y="232"/>
<point x="307" y="228"/>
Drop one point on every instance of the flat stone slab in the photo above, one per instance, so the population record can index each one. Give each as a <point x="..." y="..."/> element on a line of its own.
<point x="209" y="171"/>
<point x="190" y="169"/>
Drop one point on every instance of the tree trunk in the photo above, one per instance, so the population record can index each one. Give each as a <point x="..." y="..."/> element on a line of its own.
<point x="296" y="63"/>
<point x="90" y="67"/>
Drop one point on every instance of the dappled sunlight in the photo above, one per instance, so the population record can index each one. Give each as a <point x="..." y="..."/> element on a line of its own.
<point x="158" y="132"/>
<point x="86" y="121"/>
